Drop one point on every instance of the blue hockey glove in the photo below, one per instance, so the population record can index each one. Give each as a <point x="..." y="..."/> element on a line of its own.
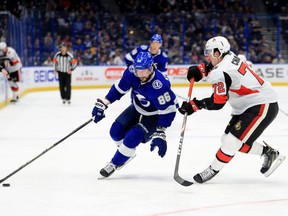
<point x="98" y="110"/>
<point x="159" y="140"/>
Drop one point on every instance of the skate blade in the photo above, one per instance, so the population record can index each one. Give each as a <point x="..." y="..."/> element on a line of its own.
<point x="278" y="161"/>
<point x="102" y="178"/>
<point x="131" y="158"/>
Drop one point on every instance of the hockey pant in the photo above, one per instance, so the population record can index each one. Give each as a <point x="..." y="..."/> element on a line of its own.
<point x="242" y="132"/>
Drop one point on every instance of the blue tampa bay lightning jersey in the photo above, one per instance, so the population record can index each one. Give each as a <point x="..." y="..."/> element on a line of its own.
<point x="160" y="59"/>
<point x="153" y="97"/>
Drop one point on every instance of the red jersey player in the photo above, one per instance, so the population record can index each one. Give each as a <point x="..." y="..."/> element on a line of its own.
<point x="253" y="101"/>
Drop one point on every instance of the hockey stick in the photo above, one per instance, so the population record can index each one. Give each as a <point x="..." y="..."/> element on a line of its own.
<point x="176" y="171"/>
<point x="45" y="151"/>
<point x="181" y="97"/>
<point x="283" y="112"/>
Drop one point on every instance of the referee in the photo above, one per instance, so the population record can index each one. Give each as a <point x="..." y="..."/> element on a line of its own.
<point x="64" y="63"/>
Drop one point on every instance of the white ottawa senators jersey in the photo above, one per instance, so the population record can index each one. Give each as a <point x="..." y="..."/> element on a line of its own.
<point x="243" y="86"/>
<point x="14" y="63"/>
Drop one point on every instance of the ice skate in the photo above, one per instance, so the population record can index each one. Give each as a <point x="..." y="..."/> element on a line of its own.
<point x="14" y="100"/>
<point x="108" y="170"/>
<point x="272" y="159"/>
<point x="206" y="175"/>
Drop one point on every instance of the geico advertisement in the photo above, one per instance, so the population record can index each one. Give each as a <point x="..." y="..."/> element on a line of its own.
<point x="44" y="75"/>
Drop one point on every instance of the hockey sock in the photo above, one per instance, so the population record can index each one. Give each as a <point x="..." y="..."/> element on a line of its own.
<point x="119" y="158"/>
<point x="256" y="149"/>
<point x="230" y="146"/>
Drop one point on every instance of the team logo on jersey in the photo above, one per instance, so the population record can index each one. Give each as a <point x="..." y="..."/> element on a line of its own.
<point x="144" y="102"/>
<point x="131" y="68"/>
<point x="237" y="126"/>
<point x="157" y="84"/>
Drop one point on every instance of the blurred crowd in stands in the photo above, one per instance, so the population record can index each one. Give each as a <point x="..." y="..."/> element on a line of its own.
<point x="101" y="35"/>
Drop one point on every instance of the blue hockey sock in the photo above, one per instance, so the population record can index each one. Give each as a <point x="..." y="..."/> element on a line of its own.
<point x="119" y="158"/>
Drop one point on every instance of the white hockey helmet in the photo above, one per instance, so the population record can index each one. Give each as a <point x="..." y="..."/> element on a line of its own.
<point x="218" y="43"/>
<point x="3" y="46"/>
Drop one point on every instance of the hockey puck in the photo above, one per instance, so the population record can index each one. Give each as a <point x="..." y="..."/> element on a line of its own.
<point x="6" y="185"/>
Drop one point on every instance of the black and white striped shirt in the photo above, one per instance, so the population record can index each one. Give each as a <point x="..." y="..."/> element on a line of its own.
<point x="64" y="63"/>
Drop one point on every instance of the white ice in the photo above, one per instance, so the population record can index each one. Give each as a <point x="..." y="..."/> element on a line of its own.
<point x="64" y="181"/>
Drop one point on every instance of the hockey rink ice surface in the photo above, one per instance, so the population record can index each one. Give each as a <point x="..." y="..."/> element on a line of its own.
<point x="64" y="181"/>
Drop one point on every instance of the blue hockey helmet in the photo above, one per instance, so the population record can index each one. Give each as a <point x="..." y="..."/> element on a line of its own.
<point x="144" y="60"/>
<point x="156" y="38"/>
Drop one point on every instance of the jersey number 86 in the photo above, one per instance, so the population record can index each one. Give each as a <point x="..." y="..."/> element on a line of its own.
<point x="162" y="99"/>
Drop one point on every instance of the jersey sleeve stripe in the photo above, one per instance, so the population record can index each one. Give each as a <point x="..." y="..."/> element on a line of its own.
<point x="219" y="99"/>
<point x="116" y="84"/>
<point x="170" y="109"/>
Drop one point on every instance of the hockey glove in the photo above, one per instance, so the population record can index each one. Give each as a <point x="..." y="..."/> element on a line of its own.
<point x="159" y="140"/>
<point x="98" y="110"/>
<point x="199" y="72"/>
<point x="191" y="107"/>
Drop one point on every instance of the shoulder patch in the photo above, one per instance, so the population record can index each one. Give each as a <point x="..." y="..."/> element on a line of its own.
<point x="157" y="84"/>
<point x="144" y="47"/>
<point x="131" y="68"/>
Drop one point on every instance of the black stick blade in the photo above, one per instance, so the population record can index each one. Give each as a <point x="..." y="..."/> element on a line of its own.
<point x="182" y="181"/>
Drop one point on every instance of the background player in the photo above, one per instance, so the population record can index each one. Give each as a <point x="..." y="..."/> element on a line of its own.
<point x="152" y="110"/>
<point x="13" y="65"/>
<point x="159" y="56"/>
<point x="4" y="71"/>
<point x="253" y="101"/>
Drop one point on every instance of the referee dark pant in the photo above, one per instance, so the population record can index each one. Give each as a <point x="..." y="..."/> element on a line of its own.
<point x="65" y="85"/>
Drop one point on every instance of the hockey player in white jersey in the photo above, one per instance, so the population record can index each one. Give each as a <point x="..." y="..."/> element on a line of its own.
<point x="13" y="65"/>
<point x="253" y="101"/>
<point x="4" y="72"/>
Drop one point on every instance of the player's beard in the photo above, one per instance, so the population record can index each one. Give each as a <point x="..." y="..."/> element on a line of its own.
<point x="143" y="79"/>
<point x="146" y="79"/>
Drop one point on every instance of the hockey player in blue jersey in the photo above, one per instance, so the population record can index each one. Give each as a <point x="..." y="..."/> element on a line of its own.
<point x="160" y="57"/>
<point x="152" y="110"/>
